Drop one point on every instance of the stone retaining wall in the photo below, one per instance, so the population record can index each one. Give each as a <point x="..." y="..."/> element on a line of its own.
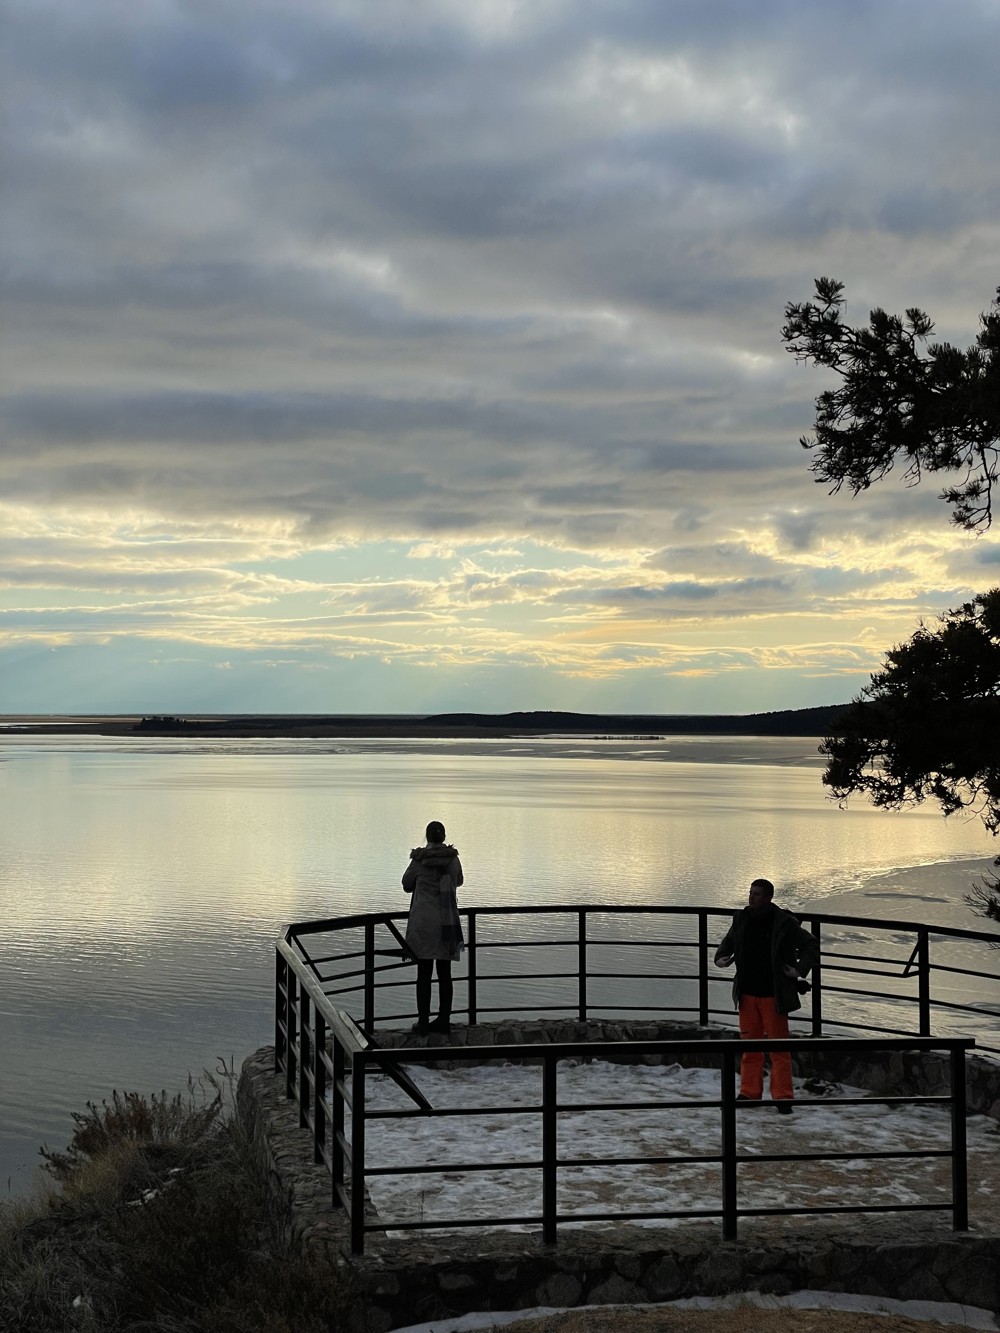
<point x="412" y="1277"/>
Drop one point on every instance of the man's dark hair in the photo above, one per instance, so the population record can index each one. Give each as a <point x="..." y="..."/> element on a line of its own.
<point x="434" y="831"/>
<point x="764" y="884"/>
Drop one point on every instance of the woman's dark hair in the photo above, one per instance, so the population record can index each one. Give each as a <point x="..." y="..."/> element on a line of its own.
<point x="434" y="831"/>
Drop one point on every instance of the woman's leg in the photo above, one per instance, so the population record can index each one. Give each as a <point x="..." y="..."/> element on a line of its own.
<point x="446" y="990"/>
<point x="425" y="970"/>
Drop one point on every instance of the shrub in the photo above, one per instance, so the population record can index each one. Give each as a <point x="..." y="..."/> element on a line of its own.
<point x="159" y="1219"/>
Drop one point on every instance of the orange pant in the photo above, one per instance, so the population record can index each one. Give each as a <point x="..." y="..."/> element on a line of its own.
<point x="759" y="1018"/>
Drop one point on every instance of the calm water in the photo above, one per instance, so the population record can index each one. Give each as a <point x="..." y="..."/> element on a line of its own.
<point x="144" y="882"/>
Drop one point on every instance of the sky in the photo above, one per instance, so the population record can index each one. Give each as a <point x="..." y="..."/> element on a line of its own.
<point x="421" y="355"/>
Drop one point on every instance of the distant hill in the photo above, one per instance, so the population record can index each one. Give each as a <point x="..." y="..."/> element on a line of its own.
<point x="787" y="722"/>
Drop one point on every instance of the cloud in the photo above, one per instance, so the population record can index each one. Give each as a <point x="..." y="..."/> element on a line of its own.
<point x="299" y="295"/>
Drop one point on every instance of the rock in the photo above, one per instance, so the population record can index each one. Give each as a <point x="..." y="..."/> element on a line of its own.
<point x="614" y="1291"/>
<point x="560" y="1291"/>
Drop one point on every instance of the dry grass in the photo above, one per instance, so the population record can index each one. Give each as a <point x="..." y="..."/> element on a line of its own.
<point x="158" y="1219"/>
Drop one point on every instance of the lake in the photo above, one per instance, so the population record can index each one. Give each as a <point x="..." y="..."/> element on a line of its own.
<point x="145" y="880"/>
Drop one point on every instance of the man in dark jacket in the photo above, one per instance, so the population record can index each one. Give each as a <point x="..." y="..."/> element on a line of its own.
<point x="772" y="954"/>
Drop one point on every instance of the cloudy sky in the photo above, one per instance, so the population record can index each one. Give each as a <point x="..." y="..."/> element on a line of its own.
<point x="412" y="355"/>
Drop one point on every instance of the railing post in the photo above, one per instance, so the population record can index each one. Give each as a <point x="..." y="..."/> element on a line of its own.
<point x="369" y="976"/>
<point x="728" y="1145"/>
<point x="549" y="1144"/>
<point x="581" y="936"/>
<point x="337" y="1120"/>
<point x="924" y="979"/>
<point x="470" y="946"/>
<point x="305" y="1057"/>
<point x="703" y="967"/>
<point x="959" y="1147"/>
<point x="280" y="981"/>
<point x="816" y="977"/>
<point x="319" y="1086"/>
<point x="358" y="1153"/>
<point x="291" y="1034"/>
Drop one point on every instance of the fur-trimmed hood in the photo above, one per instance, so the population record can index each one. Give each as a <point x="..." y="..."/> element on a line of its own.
<point x="437" y="855"/>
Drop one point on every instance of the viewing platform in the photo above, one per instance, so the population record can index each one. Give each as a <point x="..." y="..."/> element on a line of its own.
<point x="508" y="1165"/>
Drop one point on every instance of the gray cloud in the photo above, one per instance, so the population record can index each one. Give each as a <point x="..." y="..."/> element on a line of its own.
<point x="338" y="271"/>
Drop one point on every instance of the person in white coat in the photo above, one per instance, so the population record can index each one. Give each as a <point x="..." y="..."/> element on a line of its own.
<point x="433" y="929"/>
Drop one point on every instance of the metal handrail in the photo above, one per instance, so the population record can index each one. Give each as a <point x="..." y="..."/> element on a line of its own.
<point x="372" y="978"/>
<point x="319" y="1047"/>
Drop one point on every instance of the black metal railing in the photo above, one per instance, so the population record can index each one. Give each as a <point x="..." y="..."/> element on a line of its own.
<point x="327" y="1060"/>
<point x="874" y="976"/>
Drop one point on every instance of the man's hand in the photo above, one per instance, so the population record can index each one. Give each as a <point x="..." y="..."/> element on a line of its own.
<point x="723" y="959"/>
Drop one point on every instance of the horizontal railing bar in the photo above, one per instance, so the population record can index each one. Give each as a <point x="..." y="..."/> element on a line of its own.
<point x="406" y="983"/>
<point x="525" y="944"/>
<point x="872" y="994"/>
<point x="593" y="1007"/>
<point x="531" y="1219"/>
<point x="387" y="1224"/>
<point x="526" y="976"/>
<point x="599" y="944"/>
<point x="829" y="1020"/>
<point x="828" y="953"/>
<point x="635" y="1106"/>
<point x="646" y="941"/>
<point x="930" y="1099"/>
<point x="636" y="1216"/>
<point x="539" y="1009"/>
<point x="359" y="972"/>
<point x="650" y="1215"/>
<point x="887" y="923"/>
<point x="870" y="972"/>
<point x="963" y="971"/>
<point x="915" y="1154"/>
<point x="436" y="1168"/>
<point x="345" y="990"/>
<point x="603" y="1049"/>
<point x="847" y="1208"/>
<point x="650" y="976"/>
<point x="403" y="1112"/>
<point x="954" y="1006"/>
<point x="329" y="924"/>
<point x="338" y="957"/>
<point x="579" y="1163"/>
